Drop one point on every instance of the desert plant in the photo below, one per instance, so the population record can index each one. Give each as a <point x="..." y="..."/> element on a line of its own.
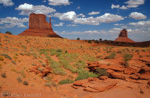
<point x="112" y="55"/>
<point x="13" y="62"/>
<point x="1" y="58"/>
<point x="59" y="71"/>
<point x="25" y="83"/>
<point x="101" y="72"/>
<point x="14" y="70"/>
<point x="89" y="41"/>
<point x="19" y="79"/>
<point x="127" y="57"/>
<point x="3" y="75"/>
<point x="6" y="93"/>
<point x="8" y="32"/>
<point x="85" y="75"/>
<point x="6" y="56"/>
<point x="0" y="66"/>
<point x="66" y="81"/>
<point x="78" y="38"/>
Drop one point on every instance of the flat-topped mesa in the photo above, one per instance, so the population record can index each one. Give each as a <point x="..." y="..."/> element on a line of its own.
<point x="38" y="26"/>
<point x="123" y="37"/>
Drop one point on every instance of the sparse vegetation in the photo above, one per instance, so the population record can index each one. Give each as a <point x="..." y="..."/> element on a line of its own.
<point x="1" y="58"/>
<point x="85" y="75"/>
<point x="66" y="81"/>
<point x="6" y="56"/>
<point x="112" y="55"/>
<point x="25" y="82"/>
<point x="3" y="75"/>
<point x="19" y="79"/>
<point x="127" y="57"/>
<point x="59" y="71"/>
<point x="101" y="72"/>
<point x="8" y="32"/>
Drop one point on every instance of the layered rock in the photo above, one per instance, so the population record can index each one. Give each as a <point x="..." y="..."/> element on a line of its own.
<point x="123" y="37"/>
<point x="38" y="26"/>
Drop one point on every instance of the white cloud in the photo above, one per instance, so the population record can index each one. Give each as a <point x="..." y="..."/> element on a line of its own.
<point x="114" y="6"/>
<point x="82" y="15"/>
<point x="140" y="23"/>
<point x="123" y="7"/>
<point x="118" y="24"/>
<point x="88" y="21"/>
<point x="60" y="24"/>
<point x="93" y="13"/>
<point x="71" y="25"/>
<point x="69" y="16"/>
<point x="78" y="7"/>
<point x="134" y="3"/>
<point x="137" y="15"/>
<point x="10" y="22"/>
<point x="108" y="18"/>
<point x="27" y="9"/>
<point x="6" y="2"/>
<point x="59" y="2"/>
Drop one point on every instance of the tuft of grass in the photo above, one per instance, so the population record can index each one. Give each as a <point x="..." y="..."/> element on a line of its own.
<point x="13" y="62"/>
<point x="126" y="58"/>
<point x="14" y="70"/>
<point x="66" y="81"/>
<point x="54" y="64"/>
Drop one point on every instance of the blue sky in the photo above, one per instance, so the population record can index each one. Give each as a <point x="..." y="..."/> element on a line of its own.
<point x="86" y="19"/>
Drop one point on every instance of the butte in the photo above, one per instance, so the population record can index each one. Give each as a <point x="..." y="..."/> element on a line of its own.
<point x="38" y="26"/>
<point x="123" y="37"/>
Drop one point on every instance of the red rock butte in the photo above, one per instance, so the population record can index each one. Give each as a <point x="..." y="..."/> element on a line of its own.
<point x="123" y="37"/>
<point x="38" y="26"/>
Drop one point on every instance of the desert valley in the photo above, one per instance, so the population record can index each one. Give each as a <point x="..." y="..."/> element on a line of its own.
<point x="38" y="63"/>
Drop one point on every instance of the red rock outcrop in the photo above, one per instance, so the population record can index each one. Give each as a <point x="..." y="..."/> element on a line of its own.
<point x="38" y="26"/>
<point x="123" y="37"/>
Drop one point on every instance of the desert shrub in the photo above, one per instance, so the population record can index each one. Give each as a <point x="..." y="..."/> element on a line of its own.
<point x="8" y="32"/>
<point x="127" y="57"/>
<point x="48" y="84"/>
<point x="112" y="55"/>
<point x="59" y="71"/>
<point x="3" y="75"/>
<point x="25" y="82"/>
<point x="78" y="38"/>
<point x="80" y="64"/>
<point x="58" y="50"/>
<point x="101" y="72"/>
<point x="6" y="56"/>
<point x="89" y="41"/>
<point x="85" y="75"/>
<point x="19" y="79"/>
<point x="14" y="70"/>
<point x="44" y="65"/>
<point x="13" y="62"/>
<point x="54" y="64"/>
<point x="137" y="50"/>
<point x="0" y="66"/>
<point x="66" y="81"/>
<point x="1" y="58"/>
<point x="40" y="69"/>
<point x="119" y="52"/>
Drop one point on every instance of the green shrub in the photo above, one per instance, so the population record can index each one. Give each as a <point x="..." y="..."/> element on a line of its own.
<point x="1" y="58"/>
<point x="127" y="57"/>
<point x="80" y="64"/>
<point x="8" y="32"/>
<point x="78" y="38"/>
<point x="89" y="41"/>
<point x="82" y="76"/>
<point x="59" y="71"/>
<point x="6" y="56"/>
<point x="101" y="72"/>
<point x="59" y="50"/>
<point x="66" y="81"/>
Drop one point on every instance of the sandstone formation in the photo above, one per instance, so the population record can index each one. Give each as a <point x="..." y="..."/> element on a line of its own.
<point x="123" y="37"/>
<point x="38" y="26"/>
